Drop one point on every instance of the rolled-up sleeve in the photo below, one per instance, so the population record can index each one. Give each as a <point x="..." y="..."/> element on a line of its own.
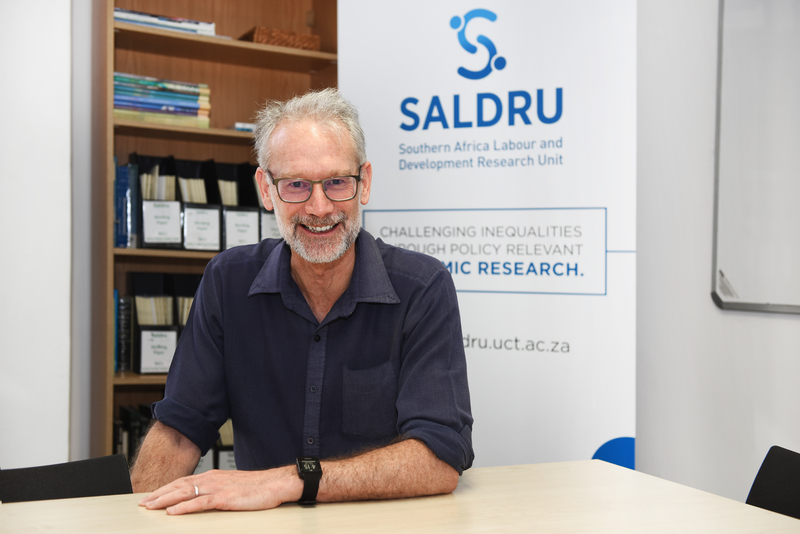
<point x="195" y="400"/>
<point x="433" y="402"/>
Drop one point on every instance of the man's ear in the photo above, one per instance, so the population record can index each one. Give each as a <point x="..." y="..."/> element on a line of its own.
<point x="263" y="187"/>
<point x="366" y="182"/>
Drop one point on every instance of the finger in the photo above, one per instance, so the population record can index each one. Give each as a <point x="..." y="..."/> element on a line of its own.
<point x="204" y="502"/>
<point x="178" y="495"/>
<point x="163" y="490"/>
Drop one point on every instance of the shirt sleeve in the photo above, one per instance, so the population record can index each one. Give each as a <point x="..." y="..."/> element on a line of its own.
<point x="195" y="400"/>
<point x="433" y="401"/>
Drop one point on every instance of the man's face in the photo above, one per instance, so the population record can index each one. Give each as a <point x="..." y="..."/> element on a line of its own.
<point x="319" y="230"/>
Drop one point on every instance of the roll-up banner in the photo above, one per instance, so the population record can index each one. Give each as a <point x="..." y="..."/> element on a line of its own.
<point x="503" y="141"/>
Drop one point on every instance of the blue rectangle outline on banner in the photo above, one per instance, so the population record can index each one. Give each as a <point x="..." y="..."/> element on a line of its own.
<point x="605" y="246"/>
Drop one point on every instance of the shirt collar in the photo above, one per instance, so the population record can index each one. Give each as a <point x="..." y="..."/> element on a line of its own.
<point x="370" y="281"/>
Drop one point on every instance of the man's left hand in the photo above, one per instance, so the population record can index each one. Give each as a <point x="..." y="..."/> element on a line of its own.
<point x="227" y="490"/>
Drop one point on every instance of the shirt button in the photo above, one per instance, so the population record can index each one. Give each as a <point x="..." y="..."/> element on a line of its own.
<point x="313" y="389"/>
<point x="310" y="441"/>
<point x="317" y="338"/>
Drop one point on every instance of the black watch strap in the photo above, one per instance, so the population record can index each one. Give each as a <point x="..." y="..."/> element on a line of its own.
<point x="309" y="469"/>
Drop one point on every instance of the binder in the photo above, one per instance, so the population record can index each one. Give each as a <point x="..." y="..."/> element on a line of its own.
<point x="240" y="226"/>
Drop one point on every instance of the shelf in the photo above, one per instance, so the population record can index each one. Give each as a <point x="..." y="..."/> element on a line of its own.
<point x="218" y="49"/>
<point x="135" y="379"/>
<point x="164" y="253"/>
<point x="161" y="131"/>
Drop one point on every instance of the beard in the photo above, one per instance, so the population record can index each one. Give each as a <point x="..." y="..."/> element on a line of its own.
<point x="320" y="249"/>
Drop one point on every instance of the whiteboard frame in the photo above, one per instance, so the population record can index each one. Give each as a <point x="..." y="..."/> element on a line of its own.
<point x="716" y="281"/>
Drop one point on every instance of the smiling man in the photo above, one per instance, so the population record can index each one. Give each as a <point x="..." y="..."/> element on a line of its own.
<point x="339" y="358"/>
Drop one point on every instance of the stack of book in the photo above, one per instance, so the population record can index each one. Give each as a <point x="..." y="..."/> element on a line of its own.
<point x="143" y="98"/>
<point x="165" y="23"/>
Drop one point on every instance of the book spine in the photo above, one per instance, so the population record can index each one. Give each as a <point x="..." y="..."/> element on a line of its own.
<point x="163" y="118"/>
<point x="160" y="111"/>
<point x="167" y="22"/>
<point x="121" y="192"/>
<point x="125" y="334"/>
<point x="135" y="206"/>
<point x="173" y="85"/>
<point x="146" y="103"/>
<point x="116" y="329"/>
<point x="160" y="101"/>
<point x="144" y="92"/>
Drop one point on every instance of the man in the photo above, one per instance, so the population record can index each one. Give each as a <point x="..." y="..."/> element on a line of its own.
<point x="326" y="344"/>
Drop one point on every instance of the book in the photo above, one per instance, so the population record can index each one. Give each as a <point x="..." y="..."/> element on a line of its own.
<point x="163" y="104"/>
<point x="126" y="193"/>
<point x="164" y="22"/>
<point x="161" y="101"/>
<point x="243" y="126"/>
<point x="116" y="329"/>
<point x="122" y="206"/>
<point x="160" y="84"/>
<point x="125" y="90"/>
<point x="124" y="345"/>
<point x="165" y="111"/>
<point x="153" y="299"/>
<point x="162" y="118"/>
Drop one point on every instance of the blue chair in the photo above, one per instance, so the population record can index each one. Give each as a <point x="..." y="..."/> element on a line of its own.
<point x="777" y="484"/>
<point x="108" y="475"/>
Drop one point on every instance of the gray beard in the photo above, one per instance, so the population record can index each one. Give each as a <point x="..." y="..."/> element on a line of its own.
<point x="311" y="249"/>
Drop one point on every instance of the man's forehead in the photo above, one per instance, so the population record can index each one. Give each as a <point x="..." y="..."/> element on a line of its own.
<point x="298" y="144"/>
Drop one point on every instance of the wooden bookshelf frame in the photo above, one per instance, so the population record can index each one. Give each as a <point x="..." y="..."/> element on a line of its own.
<point x="240" y="74"/>
<point x="220" y="50"/>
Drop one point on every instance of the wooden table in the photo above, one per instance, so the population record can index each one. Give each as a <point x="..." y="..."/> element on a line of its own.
<point x="585" y="496"/>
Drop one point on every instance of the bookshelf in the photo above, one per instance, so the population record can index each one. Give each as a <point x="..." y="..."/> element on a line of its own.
<point x="241" y="75"/>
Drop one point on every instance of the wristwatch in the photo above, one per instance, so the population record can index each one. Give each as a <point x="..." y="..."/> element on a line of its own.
<point x="310" y="471"/>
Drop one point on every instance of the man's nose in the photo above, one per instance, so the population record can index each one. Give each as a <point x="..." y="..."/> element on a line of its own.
<point x="318" y="204"/>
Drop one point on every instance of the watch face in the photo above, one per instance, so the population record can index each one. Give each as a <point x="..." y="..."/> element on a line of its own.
<point x="309" y="464"/>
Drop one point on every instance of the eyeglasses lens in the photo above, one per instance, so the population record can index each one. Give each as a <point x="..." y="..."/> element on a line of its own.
<point x="336" y="188"/>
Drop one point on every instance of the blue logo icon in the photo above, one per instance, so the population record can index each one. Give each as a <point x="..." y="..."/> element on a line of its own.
<point x="499" y="61"/>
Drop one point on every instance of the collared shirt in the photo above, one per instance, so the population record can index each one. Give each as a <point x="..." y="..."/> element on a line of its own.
<point x="387" y="361"/>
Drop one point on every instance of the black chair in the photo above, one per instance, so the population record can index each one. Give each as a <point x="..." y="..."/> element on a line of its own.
<point x="777" y="484"/>
<point x="84" y="478"/>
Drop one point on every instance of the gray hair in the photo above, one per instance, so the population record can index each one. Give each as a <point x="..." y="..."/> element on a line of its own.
<point x="325" y="107"/>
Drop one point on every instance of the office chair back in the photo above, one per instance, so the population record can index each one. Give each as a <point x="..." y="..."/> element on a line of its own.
<point x="85" y="478"/>
<point x="777" y="484"/>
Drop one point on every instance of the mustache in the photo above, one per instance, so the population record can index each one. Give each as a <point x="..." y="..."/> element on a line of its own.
<point x="310" y="220"/>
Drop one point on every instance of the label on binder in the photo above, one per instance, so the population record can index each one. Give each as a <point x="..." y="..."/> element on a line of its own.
<point x="161" y="222"/>
<point x="201" y="228"/>
<point x="158" y="348"/>
<point x="241" y="228"/>
<point x="269" y="226"/>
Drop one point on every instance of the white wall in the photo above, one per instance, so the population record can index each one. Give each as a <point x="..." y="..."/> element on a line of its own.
<point x="715" y="388"/>
<point x="35" y="232"/>
<point x="85" y="35"/>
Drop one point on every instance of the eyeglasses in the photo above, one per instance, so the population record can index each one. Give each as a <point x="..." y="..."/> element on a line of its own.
<point x="337" y="188"/>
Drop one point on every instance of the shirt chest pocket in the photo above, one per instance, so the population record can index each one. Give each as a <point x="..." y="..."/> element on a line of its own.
<point x="369" y="399"/>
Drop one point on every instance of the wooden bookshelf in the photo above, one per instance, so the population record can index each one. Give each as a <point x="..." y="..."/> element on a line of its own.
<point x="241" y="76"/>
<point x="159" y="131"/>
<point x="220" y="50"/>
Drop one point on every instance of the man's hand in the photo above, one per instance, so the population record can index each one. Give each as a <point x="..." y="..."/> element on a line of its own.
<point x="404" y="469"/>
<point x="227" y="490"/>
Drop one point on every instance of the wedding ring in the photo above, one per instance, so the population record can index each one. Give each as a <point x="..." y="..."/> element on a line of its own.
<point x="196" y="491"/>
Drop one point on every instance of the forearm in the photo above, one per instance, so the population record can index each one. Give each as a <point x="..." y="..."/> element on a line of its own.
<point x="404" y="469"/>
<point x="165" y="455"/>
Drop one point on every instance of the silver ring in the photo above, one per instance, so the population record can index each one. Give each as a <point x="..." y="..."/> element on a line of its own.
<point x="196" y="491"/>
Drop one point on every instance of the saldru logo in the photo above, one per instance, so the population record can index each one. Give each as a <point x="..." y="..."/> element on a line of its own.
<point x="498" y="61"/>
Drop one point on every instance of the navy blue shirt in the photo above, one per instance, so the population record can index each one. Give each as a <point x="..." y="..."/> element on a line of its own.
<point x="387" y="361"/>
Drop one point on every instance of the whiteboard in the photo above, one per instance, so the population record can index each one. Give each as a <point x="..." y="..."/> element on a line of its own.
<point x="756" y="256"/>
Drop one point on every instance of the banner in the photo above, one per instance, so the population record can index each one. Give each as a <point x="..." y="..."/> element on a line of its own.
<point x="503" y="141"/>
